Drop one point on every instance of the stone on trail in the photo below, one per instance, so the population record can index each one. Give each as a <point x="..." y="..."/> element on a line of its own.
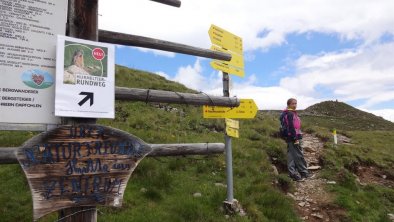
<point x="317" y="215"/>
<point x="292" y="196"/>
<point x="275" y="170"/>
<point x="301" y="204"/>
<point x="314" y="167"/>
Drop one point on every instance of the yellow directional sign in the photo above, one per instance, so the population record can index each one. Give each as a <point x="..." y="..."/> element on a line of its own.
<point x="232" y="127"/>
<point x="246" y="110"/>
<point x="232" y="132"/>
<point x="236" y="59"/>
<point x="225" y="39"/>
<point x="232" y="123"/>
<point x="227" y="68"/>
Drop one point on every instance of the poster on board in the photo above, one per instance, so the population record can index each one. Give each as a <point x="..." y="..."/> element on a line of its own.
<point x="85" y="79"/>
<point x="28" y="31"/>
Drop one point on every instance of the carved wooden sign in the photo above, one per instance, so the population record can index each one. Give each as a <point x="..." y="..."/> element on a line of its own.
<point x="84" y="165"/>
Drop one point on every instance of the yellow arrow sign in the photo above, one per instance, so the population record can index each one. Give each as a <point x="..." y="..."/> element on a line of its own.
<point x="225" y="39"/>
<point x="246" y="110"/>
<point x="232" y="123"/>
<point x="236" y="60"/>
<point x="232" y="132"/>
<point x="227" y="68"/>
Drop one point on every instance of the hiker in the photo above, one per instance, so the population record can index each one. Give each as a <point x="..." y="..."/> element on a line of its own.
<point x="77" y="66"/>
<point x="291" y="132"/>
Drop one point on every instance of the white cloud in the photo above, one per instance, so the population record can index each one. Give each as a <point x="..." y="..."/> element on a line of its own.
<point x="388" y="114"/>
<point x="352" y="19"/>
<point x="163" y="74"/>
<point x="191" y="76"/>
<point x="265" y="97"/>
<point x="363" y="74"/>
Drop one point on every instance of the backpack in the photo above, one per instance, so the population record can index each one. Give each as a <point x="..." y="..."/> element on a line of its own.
<point x="284" y="125"/>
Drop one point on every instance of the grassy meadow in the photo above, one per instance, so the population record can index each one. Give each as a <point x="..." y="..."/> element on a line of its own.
<point x="161" y="189"/>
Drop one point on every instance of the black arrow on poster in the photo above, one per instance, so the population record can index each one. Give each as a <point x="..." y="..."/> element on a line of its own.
<point x="88" y="96"/>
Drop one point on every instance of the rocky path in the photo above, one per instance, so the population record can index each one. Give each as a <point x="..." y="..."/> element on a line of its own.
<point x="313" y="202"/>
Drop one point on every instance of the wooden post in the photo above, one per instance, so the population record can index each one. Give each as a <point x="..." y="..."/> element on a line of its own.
<point x="7" y="154"/>
<point x="151" y="43"/>
<point x="82" y="22"/>
<point x="175" y="3"/>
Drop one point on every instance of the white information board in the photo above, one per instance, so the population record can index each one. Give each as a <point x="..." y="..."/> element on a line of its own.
<point x="28" y="31"/>
<point x="85" y="78"/>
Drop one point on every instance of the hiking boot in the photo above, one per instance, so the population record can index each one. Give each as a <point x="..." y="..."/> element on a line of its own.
<point x="297" y="178"/>
<point x="307" y="176"/>
<point x="304" y="175"/>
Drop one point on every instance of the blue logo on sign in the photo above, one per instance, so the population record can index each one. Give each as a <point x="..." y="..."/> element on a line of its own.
<point x="37" y="79"/>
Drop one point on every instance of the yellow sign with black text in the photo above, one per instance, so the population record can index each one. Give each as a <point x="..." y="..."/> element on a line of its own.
<point x="232" y="123"/>
<point x="226" y="68"/>
<point x="225" y="39"/>
<point x="232" y="132"/>
<point x="236" y="59"/>
<point x="246" y="110"/>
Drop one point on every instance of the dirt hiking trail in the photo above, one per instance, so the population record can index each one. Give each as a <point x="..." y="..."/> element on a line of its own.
<point x="314" y="203"/>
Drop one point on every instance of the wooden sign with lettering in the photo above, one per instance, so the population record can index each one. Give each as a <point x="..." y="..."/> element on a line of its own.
<point x="85" y="165"/>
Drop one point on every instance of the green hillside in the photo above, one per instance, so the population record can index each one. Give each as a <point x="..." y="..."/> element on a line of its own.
<point x="161" y="189"/>
<point x="340" y="115"/>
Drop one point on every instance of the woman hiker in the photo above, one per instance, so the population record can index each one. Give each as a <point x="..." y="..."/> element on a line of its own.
<point x="291" y="131"/>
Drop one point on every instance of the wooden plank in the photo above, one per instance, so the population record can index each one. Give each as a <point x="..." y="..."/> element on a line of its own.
<point x="8" y="154"/>
<point x="145" y="95"/>
<point x="150" y="95"/>
<point x="175" y="3"/>
<point x="151" y="43"/>
<point x="75" y="166"/>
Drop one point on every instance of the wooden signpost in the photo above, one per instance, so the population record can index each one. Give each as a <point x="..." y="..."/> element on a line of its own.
<point x="83" y="165"/>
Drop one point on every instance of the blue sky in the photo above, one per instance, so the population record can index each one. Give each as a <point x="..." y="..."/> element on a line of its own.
<point x="313" y="51"/>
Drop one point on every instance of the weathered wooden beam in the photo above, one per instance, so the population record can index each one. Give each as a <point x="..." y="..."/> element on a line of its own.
<point x="175" y="3"/>
<point x="151" y="43"/>
<point x="184" y="149"/>
<point x="7" y="154"/>
<point x="134" y="94"/>
<point x="150" y="95"/>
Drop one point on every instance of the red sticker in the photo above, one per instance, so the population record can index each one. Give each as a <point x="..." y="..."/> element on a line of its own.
<point x="98" y="54"/>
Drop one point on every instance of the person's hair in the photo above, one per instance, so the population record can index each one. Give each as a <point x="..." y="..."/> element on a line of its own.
<point x="78" y="52"/>
<point x="290" y="100"/>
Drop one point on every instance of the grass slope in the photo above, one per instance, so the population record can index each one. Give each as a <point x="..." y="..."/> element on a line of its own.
<point x="162" y="188"/>
<point x="169" y="183"/>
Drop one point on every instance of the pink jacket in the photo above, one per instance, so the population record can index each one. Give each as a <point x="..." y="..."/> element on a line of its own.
<point x="294" y="123"/>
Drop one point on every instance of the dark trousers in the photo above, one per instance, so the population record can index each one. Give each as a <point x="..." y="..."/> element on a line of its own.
<point x="295" y="159"/>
